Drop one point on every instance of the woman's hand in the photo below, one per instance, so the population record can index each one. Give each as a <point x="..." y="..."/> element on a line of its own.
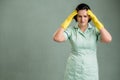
<point x="96" y="22"/>
<point x="68" y="19"/>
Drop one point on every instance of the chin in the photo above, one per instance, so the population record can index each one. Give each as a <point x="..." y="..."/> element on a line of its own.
<point x="83" y="24"/>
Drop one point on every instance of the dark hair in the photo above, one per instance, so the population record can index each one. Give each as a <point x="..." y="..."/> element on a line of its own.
<point x="82" y="6"/>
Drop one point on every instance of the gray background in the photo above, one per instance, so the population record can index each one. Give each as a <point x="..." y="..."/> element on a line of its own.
<point x="27" y="51"/>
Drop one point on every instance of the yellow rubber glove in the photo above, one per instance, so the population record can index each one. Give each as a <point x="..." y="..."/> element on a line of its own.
<point x="96" y="22"/>
<point x="68" y="19"/>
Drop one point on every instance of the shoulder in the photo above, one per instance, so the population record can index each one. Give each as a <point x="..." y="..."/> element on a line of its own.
<point x="73" y="27"/>
<point x="70" y="29"/>
<point x="93" y="28"/>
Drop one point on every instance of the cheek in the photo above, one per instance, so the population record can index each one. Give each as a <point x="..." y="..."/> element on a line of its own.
<point x="87" y="19"/>
<point x="78" y="19"/>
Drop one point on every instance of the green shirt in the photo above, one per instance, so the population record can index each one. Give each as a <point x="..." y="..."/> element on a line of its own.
<point x="82" y="40"/>
<point x="82" y="62"/>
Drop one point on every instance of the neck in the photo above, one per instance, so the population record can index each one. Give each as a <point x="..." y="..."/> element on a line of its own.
<point x="82" y="28"/>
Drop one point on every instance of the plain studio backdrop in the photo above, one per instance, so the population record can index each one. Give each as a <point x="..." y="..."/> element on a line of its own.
<point x="27" y="51"/>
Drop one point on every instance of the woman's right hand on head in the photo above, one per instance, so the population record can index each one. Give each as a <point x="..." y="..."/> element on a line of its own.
<point x="68" y="20"/>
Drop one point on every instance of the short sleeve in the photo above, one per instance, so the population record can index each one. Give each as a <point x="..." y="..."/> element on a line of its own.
<point x="98" y="34"/>
<point x="67" y="33"/>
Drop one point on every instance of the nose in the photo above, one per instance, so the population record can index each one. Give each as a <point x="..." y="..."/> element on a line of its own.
<point x="82" y="19"/>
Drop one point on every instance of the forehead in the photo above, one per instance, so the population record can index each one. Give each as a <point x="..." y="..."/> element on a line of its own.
<point x="82" y="12"/>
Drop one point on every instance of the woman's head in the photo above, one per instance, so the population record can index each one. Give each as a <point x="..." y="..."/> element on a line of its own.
<point x="82" y="6"/>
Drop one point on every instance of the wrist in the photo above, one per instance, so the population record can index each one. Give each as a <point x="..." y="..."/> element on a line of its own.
<point x="99" y="25"/>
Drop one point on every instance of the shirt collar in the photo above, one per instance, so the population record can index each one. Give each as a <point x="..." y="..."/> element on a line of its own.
<point x="89" y="26"/>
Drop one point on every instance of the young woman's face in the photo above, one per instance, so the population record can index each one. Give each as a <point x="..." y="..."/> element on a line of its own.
<point x="82" y="18"/>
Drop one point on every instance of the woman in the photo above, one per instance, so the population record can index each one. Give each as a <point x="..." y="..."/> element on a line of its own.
<point x="82" y="62"/>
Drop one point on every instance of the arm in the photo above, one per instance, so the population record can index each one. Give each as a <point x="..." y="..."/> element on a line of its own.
<point x="105" y="35"/>
<point x="59" y="34"/>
